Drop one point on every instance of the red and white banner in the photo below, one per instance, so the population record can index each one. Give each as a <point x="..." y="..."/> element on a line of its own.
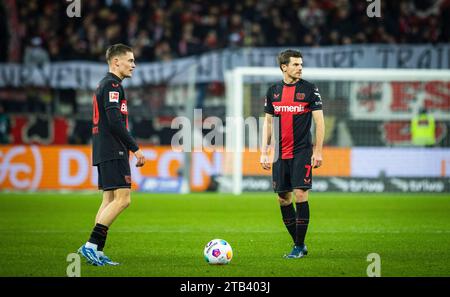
<point x="399" y="100"/>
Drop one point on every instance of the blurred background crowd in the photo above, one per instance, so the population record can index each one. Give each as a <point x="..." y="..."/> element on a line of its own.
<point x="166" y="29"/>
<point x="37" y="32"/>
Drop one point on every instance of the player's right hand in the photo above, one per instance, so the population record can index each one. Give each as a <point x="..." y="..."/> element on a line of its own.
<point x="265" y="161"/>
<point x="140" y="158"/>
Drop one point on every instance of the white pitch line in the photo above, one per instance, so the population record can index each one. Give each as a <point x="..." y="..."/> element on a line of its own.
<point x="242" y="231"/>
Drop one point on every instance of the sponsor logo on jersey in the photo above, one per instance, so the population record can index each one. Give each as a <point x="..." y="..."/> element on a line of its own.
<point x="289" y="108"/>
<point x="114" y="97"/>
<point x="115" y="85"/>
<point x="276" y="96"/>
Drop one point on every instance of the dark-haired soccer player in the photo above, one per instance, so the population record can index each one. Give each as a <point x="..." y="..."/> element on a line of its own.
<point x="111" y="145"/>
<point x="295" y="102"/>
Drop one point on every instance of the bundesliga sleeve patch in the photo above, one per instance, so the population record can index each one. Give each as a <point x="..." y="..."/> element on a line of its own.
<point x="114" y="97"/>
<point x="316" y="92"/>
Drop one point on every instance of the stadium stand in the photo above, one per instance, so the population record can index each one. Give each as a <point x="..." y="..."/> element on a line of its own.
<point x="160" y="31"/>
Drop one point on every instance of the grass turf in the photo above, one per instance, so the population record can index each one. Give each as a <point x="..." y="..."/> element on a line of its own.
<point x="164" y="235"/>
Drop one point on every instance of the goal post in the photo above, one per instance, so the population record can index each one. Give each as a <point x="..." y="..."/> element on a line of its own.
<point x="351" y="96"/>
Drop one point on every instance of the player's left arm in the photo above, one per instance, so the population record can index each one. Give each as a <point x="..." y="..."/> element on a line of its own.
<point x="316" y="159"/>
<point x="317" y="113"/>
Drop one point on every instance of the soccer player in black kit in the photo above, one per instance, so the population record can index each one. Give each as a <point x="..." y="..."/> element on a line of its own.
<point x="111" y="145"/>
<point x="295" y="102"/>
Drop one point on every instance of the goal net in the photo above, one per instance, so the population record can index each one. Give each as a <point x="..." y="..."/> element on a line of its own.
<point x="363" y="108"/>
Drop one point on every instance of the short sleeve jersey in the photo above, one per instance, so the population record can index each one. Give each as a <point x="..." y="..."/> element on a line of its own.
<point x="293" y="104"/>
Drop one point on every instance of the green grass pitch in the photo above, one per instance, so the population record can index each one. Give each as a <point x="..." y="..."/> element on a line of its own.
<point x="164" y="235"/>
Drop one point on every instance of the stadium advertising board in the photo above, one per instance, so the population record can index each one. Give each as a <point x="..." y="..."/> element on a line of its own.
<point x="70" y="168"/>
<point x="359" y="185"/>
<point x="374" y="162"/>
<point x="345" y="169"/>
<point x="339" y="167"/>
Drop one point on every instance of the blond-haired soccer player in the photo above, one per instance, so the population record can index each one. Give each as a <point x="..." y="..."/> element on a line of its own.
<point x="111" y="142"/>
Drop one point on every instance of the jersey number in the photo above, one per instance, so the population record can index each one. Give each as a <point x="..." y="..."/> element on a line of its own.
<point x="95" y="116"/>
<point x="308" y="170"/>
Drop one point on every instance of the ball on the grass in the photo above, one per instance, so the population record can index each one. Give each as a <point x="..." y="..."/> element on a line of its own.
<point x="218" y="251"/>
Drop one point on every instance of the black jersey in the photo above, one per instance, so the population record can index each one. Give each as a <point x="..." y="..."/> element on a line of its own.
<point x="110" y="137"/>
<point x="293" y="104"/>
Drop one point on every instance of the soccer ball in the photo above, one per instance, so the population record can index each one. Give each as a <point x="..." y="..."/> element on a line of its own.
<point x="218" y="251"/>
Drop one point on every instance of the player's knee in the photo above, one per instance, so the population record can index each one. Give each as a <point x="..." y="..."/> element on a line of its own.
<point x="124" y="203"/>
<point x="284" y="198"/>
<point x="124" y="200"/>
<point x="301" y="195"/>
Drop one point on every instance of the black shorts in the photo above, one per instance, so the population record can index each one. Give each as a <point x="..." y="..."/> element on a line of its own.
<point x="295" y="173"/>
<point x="114" y="174"/>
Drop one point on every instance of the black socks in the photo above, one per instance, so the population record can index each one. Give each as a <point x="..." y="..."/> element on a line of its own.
<point x="288" y="214"/>
<point x="98" y="236"/>
<point x="301" y="222"/>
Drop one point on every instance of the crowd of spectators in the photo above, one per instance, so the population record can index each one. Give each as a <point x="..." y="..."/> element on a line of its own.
<point x="160" y="30"/>
<point x="40" y="31"/>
